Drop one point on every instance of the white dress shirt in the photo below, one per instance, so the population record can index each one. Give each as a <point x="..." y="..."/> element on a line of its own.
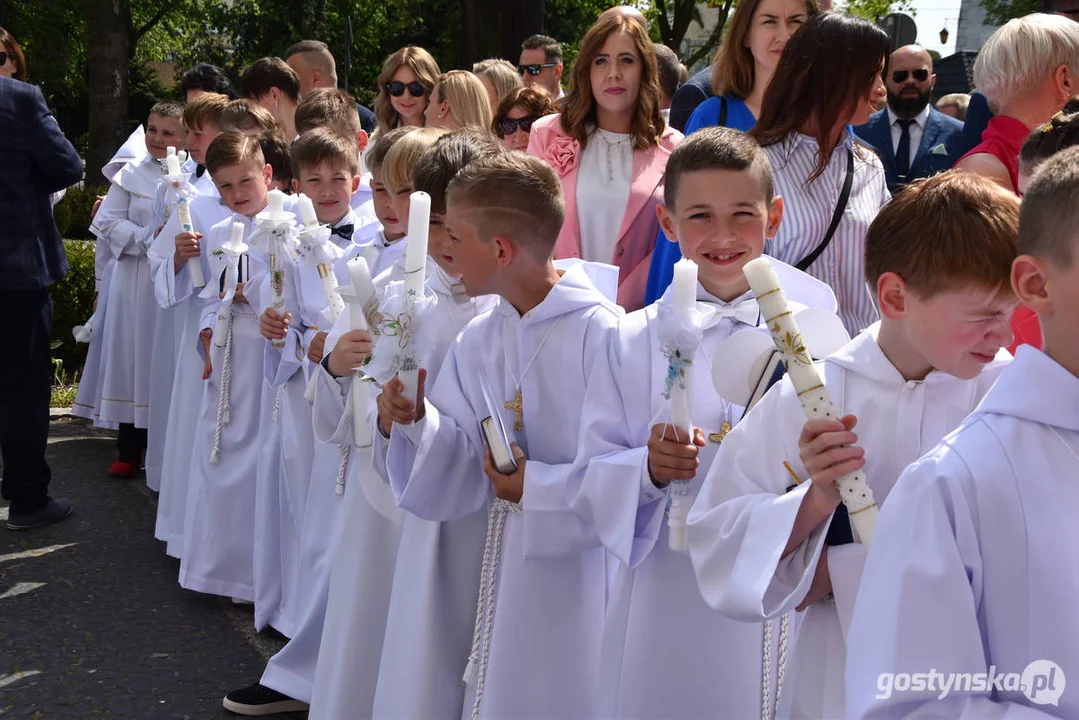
<point x="603" y="185"/>
<point x="917" y="128"/>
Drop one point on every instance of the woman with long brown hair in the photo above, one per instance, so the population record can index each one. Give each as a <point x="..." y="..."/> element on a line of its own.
<point x="404" y="87"/>
<point x="828" y="78"/>
<point x="610" y="147"/>
<point x="741" y="70"/>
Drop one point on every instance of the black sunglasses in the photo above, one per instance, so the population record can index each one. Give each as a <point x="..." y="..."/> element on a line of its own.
<point x="534" y="70"/>
<point x="397" y="88"/>
<point x="506" y="126"/>
<point x="921" y="75"/>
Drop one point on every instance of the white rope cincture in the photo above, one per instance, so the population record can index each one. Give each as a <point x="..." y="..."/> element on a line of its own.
<point x="277" y="404"/>
<point x="346" y="451"/>
<point x="476" y="671"/>
<point x="770" y="707"/>
<point x="223" y="416"/>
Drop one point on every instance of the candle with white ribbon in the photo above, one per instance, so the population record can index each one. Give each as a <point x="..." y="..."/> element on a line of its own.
<point x="315" y="240"/>
<point x="816" y="403"/>
<point x="419" y="218"/>
<point x="358" y="295"/>
<point x="683" y="301"/>
<point x="183" y="210"/>
<point x="234" y="250"/>
<point x="277" y="267"/>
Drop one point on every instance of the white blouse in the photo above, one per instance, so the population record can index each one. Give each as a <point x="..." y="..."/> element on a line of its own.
<point x="603" y="183"/>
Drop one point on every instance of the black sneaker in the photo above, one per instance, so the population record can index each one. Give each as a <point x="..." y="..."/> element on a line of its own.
<point x="258" y="700"/>
<point x="52" y="512"/>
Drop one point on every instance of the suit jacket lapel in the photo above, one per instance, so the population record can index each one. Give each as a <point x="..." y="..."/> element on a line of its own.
<point x="648" y="168"/>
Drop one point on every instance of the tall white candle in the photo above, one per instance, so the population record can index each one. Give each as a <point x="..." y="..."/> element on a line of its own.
<point x="684" y="299"/>
<point x="361" y="293"/>
<point x="194" y="265"/>
<point x="419" y="218"/>
<point x="233" y="249"/>
<point x="307" y="212"/>
<point x="816" y="403"/>
<point x="173" y="163"/>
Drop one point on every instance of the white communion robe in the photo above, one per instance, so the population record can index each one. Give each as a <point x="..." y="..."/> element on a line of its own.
<point x="713" y="666"/>
<point x="285" y="434"/>
<point x="549" y="585"/>
<point x="85" y="403"/>
<point x="168" y="331"/>
<point x="973" y="564"/>
<point x="333" y="661"/>
<point x="743" y="515"/>
<point x="174" y="290"/>
<point x="126" y="222"/>
<point x="218" y="541"/>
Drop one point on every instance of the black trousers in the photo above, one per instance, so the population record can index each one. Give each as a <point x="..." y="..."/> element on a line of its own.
<point x="25" y="389"/>
<point x="130" y="443"/>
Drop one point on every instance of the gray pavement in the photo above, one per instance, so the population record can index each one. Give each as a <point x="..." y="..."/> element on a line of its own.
<point x="92" y="620"/>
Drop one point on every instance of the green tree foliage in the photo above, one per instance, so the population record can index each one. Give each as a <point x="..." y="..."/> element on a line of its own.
<point x="998" y="12"/>
<point x="73" y="303"/>
<point x="877" y="10"/>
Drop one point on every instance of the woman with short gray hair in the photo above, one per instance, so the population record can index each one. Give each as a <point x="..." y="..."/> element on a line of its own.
<point x="1027" y="70"/>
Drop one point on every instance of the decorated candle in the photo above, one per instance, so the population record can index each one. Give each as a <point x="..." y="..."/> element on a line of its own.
<point x="307" y="212"/>
<point x="684" y="299"/>
<point x="173" y="163"/>
<point x="419" y="218"/>
<point x="358" y="296"/>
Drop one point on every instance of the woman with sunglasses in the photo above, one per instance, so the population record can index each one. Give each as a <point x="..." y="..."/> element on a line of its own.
<point x="741" y="70"/>
<point x="459" y="100"/>
<point x="828" y="78"/>
<point x="609" y="145"/>
<point x="12" y="62"/>
<point x="1027" y="70"/>
<point x="404" y="87"/>
<point x="516" y="113"/>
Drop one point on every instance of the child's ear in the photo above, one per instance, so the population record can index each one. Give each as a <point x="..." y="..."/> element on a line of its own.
<point x="355" y="184"/>
<point x="361" y="140"/>
<point x="666" y="222"/>
<point x="504" y="250"/>
<point x="295" y="186"/>
<point x="1031" y="284"/>
<point x="892" y="295"/>
<point x="775" y="217"/>
<point x="267" y="174"/>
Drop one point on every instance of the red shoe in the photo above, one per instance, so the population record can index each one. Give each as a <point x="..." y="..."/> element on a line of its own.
<point x="123" y="470"/>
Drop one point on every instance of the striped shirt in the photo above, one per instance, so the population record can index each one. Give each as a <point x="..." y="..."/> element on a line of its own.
<point x="807" y="213"/>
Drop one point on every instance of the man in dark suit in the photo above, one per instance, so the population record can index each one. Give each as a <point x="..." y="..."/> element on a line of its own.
<point x="314" y="64"/>
<point x="913" y="138"/>
<point x="691" y="94"/>
<point x="37" y="160"/>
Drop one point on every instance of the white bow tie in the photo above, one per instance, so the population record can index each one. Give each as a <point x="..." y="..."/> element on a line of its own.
<point x="745" y="311"/>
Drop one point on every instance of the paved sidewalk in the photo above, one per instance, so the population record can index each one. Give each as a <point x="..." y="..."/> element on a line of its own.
<point x="92" y="620"/>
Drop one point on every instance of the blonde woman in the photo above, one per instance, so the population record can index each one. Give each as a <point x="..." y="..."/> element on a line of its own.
<point x="459" y="100"/>
<point x="404" y="87"/>
<point x="499" y="77"/>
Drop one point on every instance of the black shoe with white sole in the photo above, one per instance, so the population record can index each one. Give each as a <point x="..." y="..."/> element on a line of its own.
<point x="258" y="701"/>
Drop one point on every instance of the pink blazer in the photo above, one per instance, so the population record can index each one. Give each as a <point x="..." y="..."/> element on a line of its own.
<point x="637" y="238"/>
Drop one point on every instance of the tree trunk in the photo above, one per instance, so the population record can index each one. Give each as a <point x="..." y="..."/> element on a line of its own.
<point x="108" y="50"/>
<point x="481" y="22"/>
<point x="521" y="19"/>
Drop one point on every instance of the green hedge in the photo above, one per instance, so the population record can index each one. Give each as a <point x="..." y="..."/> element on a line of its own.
<point x="73" y="303"/>
<point x="72" y="213"/>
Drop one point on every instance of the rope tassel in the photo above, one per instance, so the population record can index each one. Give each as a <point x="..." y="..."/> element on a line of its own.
<point x="223" y="394"/>
<point x="346" y="451"/>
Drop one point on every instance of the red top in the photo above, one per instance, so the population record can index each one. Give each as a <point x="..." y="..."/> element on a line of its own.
<point x="1027" y="329"/>
<point x="1003" y="138"/>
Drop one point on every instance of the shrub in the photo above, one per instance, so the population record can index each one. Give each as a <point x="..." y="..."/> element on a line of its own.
<point x="72" y="213"/>
<point x="73" y="303"/>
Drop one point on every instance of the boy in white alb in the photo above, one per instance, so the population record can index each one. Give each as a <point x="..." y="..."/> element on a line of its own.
<point x="126" y="223"/>
<point x="174" y="289"/>
<point x="536" y="642"/>
<point x="971" y="573"/>
<point x="764" y="543"/>
<point x="720" y="208"/>
<point x="325" y="171"/>
<point x="290" y="674"/>
<point x="219" y="520"/>
<point x="434" y="575"/>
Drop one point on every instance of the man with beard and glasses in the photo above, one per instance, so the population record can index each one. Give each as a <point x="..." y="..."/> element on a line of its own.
<point x="914" y="139"/>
